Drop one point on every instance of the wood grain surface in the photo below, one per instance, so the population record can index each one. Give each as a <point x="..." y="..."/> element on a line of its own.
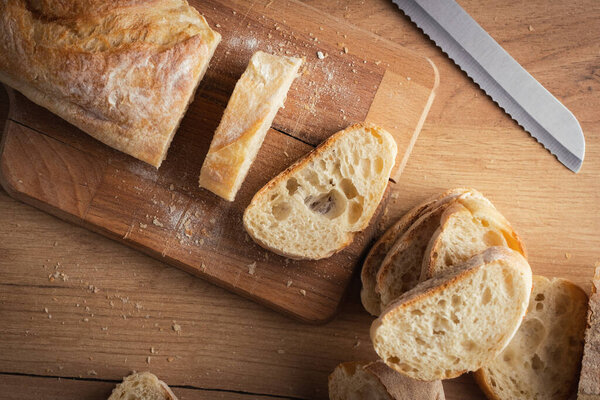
<point x="46" y="162"/>
<point x="230" y="345"/>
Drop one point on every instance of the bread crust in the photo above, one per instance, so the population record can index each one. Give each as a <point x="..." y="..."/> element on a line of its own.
<point x="401" y="387"/>
<point x="257" y="97"/>
<point x="373" y="261"/>
<point x="124" y="72"/>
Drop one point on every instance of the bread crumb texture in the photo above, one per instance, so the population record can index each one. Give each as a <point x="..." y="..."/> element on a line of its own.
<point x="458" y="321"/>
<point x="542" y="360"/>
<point x="142" y="386"/>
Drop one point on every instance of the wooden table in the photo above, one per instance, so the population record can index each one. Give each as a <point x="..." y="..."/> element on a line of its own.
<point x="78" y="311"/>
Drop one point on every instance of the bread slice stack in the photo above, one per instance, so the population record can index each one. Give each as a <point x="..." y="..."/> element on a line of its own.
<point x="316" y="206"/>
<point x="458" y="321"/>
<point x="142" y="386"/>
<point x="434" y="236"/>
<point x="376" y="381"/>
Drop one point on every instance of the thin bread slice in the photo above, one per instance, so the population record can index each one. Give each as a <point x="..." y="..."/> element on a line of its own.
<point x="369" y="297"/>
<point x="142" y="386"/>
<point x="589" y="381"/>
<point x="458" y="321"/>
<point x="468" y="227"/>
<point x="258" y="95"/>
<point x="377" y="381"/>
<point x="542" y="360"/>
<point x="400" y="270"/>
<point x="316" y="206"/>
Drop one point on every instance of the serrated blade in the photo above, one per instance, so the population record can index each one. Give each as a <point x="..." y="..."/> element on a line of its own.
<point x="500" y="76"/>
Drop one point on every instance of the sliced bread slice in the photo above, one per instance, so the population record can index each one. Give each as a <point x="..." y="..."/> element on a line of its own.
<point x="400" y="270"/>
<point x="369" y="297"/>
<point x="316" y="206"/>
<point x="468" y="227"/>
<point x="376" y="381"/>
<point x="589" y="381"/>
<point x="458" y="321"/>
<point x="142" y="386"/>
<point x="542" y="360"/>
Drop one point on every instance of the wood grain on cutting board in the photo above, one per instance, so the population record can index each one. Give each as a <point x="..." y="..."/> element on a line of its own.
<point x="50" y="164"/>
<point x="234" y="347"/>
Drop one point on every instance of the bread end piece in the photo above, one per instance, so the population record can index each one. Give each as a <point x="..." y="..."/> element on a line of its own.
<point x="258" y="95"/>
<point x="589" y="380"/>
<point x="427" y="333"/>
<point x="142" y="386"/>
<point x="377" y="381"/>
<point x="315" y="207"/>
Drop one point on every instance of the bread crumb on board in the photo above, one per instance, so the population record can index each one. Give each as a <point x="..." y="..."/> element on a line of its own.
<point x="156" y="222"/>
<point x="303" y="292"/>
<point x="176" y="327"/>
<point x="252" y="268"/>
<point x="289" y="283"/>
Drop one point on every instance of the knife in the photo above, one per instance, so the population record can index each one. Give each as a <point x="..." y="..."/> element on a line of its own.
<point x="500" y="76"/>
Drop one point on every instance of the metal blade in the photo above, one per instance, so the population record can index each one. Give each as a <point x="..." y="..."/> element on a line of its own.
<point x="500" y="76"/>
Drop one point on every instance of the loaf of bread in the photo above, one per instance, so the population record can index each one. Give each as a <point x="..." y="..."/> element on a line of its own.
<point x="368" y="295"/>
<point x="122" y="71"/>
<point x="458" y="321"/>
<point x="589" y="381"/>
<point x="400" y="270"/>
<point x="542" y="360"/>
<point x="467" y="227"/>
<point x="316" y="206"/>
<point x="142" y="386"/>
<point x="258" y="95"/>
<point x="376" y="381"/>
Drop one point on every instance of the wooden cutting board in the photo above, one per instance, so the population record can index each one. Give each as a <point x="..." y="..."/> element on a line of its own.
<point x="53" y="166"/>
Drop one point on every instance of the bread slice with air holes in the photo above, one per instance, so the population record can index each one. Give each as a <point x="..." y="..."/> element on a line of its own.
<point x="316" y="206"/>
<point x="589" y="381"/>
<point x="377" y="381"/>
<point x="369" y="297"/>
<point x="258" y="95"/>
<point x="400" y="270"/>
<point x="469" y="226"/>
<point x="542" y="360"/>
<point x="142" y="386"/>
<point x="458" y="321"/>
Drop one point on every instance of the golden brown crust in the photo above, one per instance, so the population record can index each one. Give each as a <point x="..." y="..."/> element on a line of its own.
<point x="589" y="381"/>
<point x="123" y="72"/>
<point x="401" y="387"/>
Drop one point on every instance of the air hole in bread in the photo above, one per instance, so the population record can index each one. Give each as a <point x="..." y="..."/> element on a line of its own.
<point x="281" y="210"/>
<point x="537" y="333"/>
<point x="455" y="318"/>
<point x="468" y="345"/>
<point x="378" y="165"/>
<point x="292" y="186"/>
<point x="376" y="135"/>
<point x="330" y="205"/>
<point x="448" y="259"/>
<point x="540" y="297"/>
<point x="539" y="306"/>
<point x="416" y="312"/>
<point x="536" y="363"/>
<point x="356" y="210"/>
<point x="484" y="223"/>
<point x="395" y="360"/>
<point x="348" y="188"/>
<point x="486" y="297"/>
<point x="442" y="303"/>
<point x="492" y="238"/>
<point x="456" y="301"/>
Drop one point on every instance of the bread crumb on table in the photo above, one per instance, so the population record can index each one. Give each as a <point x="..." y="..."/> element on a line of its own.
<point x="567" y="255"/>
<point x="280" y="351"/>
<point x="303" y="292"/>
<point x="156" y="222"/>
<point x="252" y="268"/>
<point x="289" y="283"/>
<point x="176" y="327"/>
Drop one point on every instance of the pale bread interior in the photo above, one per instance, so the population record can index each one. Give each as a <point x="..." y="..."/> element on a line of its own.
<point x="142" y="386"/>
<point x="543" y="358"/>
<point x="314" y="208"/>
<point x="458" y="321"/>
<point x="349" y="381"/>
